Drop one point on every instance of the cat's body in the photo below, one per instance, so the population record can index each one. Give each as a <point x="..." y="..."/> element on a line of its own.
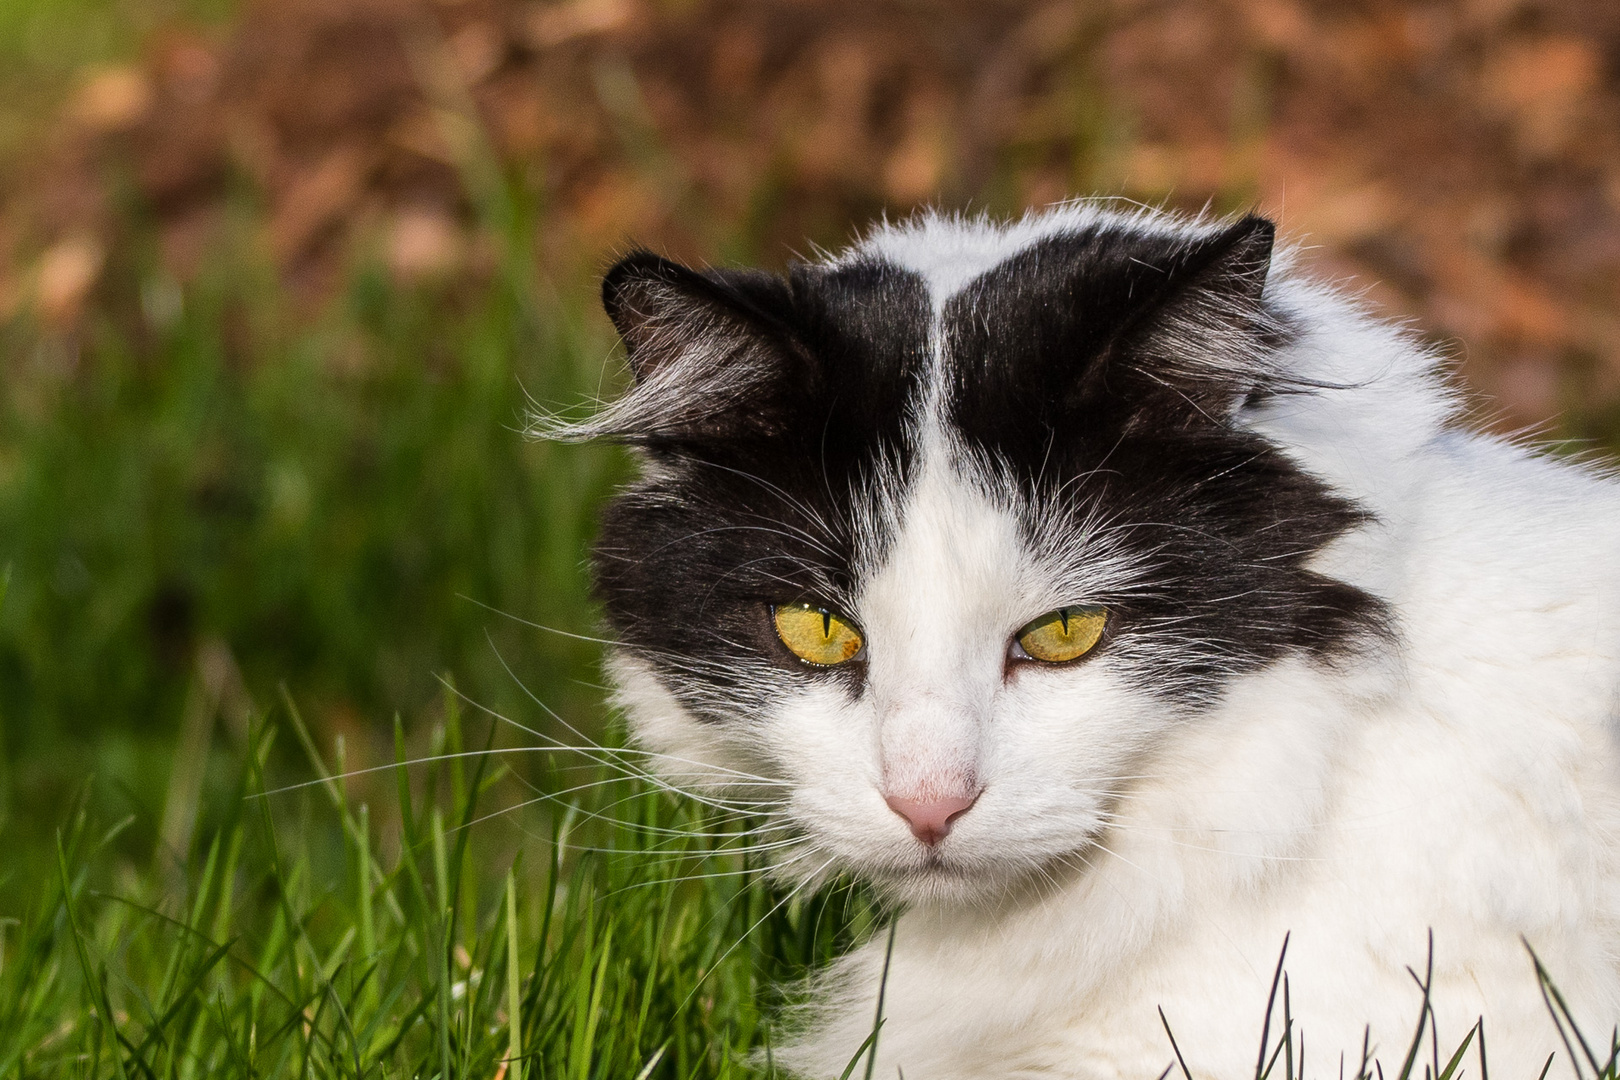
<point x="1360" y="679"/>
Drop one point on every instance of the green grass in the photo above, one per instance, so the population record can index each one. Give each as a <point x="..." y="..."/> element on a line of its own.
<point x="625" y="937"/>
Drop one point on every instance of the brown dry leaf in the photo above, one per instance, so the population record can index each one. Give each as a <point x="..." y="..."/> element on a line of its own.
<point x="424" y="242"/>
<point x="913" y="170"/>
<point x="1528" y="312"/>
<point x="421" y="133"/>
<point x="521" y="123"/>
<point x="834" y="143"/>
<point x="477" y="49"/>
<point x="1490" y="14"/>
<point x="1333" y="211"/>
<point x="736" y="60"/>
<point x="113" y="99"/>
<point x="315" y="199"/>
<point x="615" y="210"/>
<point x="1281" y="24"/>
<point x="1528" y="388"/>
<point x="1481" y="299"/>
<point x="188" y="67"/>
<point x="67" y="272"/>
<point x="1541" y="87"/>
<point x="554" y="24"/>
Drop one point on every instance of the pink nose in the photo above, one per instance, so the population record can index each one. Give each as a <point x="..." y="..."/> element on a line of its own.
<point x="931" y="819"/>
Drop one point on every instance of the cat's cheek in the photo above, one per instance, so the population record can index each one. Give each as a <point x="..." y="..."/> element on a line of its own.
<point x="685" y="750"/>
<point x="825" y="744"/>
<point x="1065" y="742"/>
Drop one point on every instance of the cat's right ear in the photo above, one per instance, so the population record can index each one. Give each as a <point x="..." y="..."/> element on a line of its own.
<point x="709" y="353"/>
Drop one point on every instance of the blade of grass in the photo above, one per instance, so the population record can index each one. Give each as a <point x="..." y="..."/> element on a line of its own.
<point x="1181" y="1061"/>
<point x="1261" y="1069"/>
<point x="1423" y="1012"/>
<point x="883" y="987"/>
<point x="1552" y="997"/>
<point x="93" y="982"/>
<point x="1456" y="1058"/>
<point x="444" y="906"/>
<point x="368" y="921"/>
<point x="514" y="999"/>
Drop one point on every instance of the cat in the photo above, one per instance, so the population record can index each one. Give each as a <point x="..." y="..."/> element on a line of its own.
<point x="1116" y="600"/>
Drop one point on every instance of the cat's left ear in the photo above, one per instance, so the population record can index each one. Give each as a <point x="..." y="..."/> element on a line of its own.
<point x="710" y="353"/>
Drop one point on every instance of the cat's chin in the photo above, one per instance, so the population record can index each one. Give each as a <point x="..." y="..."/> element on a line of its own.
<point x="940" y="887"/>
<point x="952" y="875"/>
<point x="943" y="882"/>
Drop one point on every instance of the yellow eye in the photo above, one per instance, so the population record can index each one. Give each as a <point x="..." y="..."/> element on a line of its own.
<point x="1065" y="634"/>
<point x="816" y="635"/>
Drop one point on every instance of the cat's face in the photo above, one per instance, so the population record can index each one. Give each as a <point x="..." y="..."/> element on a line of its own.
<point x="935" y="545"/>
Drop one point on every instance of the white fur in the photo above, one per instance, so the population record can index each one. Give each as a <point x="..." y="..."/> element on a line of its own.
<point x="1464" y="781"/>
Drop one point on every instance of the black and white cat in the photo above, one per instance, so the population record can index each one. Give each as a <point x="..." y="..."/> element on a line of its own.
<point x="1119" y="600"/>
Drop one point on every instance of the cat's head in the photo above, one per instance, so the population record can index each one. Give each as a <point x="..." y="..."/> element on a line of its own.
<point x="936" y="541"/>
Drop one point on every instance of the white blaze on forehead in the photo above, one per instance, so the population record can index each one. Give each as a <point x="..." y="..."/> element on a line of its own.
<point x="947" y="260"/>
<point x="951" y="579"/>
<point x="950" y="251"/>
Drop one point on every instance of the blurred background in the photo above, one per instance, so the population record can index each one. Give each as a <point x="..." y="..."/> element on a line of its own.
<point x="279" y="280"/>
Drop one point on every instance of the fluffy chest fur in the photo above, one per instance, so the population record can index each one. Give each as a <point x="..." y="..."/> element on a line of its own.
<point x="1357" y="682"/>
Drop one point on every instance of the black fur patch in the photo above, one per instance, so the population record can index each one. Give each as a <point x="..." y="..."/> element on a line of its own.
<point x="1099" y="372"/>
<point x="754" y="503"/>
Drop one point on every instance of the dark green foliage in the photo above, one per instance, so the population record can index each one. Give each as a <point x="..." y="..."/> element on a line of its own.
<point x="349" y="507"/>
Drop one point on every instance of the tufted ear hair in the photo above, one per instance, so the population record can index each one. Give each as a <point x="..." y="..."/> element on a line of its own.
<point x="1193" y="334"/>
<point x="713" y="354"/>
<point x="1197" y="333"/>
